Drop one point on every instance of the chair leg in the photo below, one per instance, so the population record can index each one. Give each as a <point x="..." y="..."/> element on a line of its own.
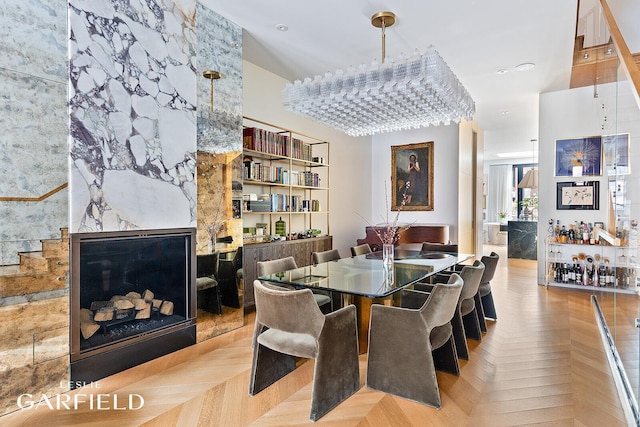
<point x="472" y="325"/>
<point x="268" y="367"/>
<point x="489" y="307"/>
<point x="445" y="358"/>
<point x="480" y="309"/>
<point x="459" y="336"/>
<point x="336" y="374"/>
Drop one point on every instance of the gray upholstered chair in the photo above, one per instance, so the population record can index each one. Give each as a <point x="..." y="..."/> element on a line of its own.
<point x="360" y="249"/>
<point x="291" y="325"/>
<point x="484" y="291"/>
<point x="207" y="286"/>
<point x="325" y="256"/>
<point x="283" y="264"/>
<point x="408" y="343"/>
<point x="466" y="321"/>
<point x="440" y="247"/>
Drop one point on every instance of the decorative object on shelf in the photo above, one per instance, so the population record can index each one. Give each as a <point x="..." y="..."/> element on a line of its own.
<point x="402" y="93"/>
<point x="578" y="195"/>
<point x="579" y="156"/>
<point x="281" y="227"/>
<point x="412" y="164"/>
<point x="616" y="154"/>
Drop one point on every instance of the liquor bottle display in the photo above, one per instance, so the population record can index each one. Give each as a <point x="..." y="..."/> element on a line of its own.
<point x="577" y="256"/>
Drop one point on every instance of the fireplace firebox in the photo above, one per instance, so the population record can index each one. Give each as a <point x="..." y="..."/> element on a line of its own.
<point x="132" y="299"/>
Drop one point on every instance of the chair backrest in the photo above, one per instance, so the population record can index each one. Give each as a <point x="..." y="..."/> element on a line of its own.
<point x="440" y="247"/>
<point x="294" y="311"/>
<point x="490" y="263"/>
<point x="237" y="259"/>
<point x="361" y="249"/>
<point x="207" y="264"/>
<point x="325" y="256"/>
<point x="441" y="305"/>
<point x="471" y="275"/>
<point x="276" y="265"/>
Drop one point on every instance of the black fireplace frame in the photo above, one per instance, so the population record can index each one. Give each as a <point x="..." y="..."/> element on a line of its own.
<point x="93" y="364"/>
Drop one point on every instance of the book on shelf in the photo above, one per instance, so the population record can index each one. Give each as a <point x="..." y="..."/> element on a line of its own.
<point x="279" y="144"/>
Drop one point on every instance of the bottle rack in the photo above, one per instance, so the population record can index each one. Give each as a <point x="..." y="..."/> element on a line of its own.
<point x="566" y="261"/>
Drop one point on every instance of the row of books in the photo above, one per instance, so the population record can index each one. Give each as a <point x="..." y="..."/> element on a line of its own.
<point x="282" y="203"/>
<point x="279" y="144"/>
<point x="256" y="171"/>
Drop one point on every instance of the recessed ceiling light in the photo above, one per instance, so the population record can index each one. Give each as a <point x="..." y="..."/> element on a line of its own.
<point x="502" y="71"/>
<point x="282" y="27"/>
<point x="504" y="113"/>
<point x="525" y="66"/>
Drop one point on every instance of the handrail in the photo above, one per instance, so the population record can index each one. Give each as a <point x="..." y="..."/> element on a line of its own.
<point x="628" y="63"/>
<point x="35" y="199"/>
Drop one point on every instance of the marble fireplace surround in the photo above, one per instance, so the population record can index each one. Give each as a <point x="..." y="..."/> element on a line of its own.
<point x="145" y="61"/>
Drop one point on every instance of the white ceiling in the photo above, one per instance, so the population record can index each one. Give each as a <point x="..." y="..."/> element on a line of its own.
<point x="475" y="37"/>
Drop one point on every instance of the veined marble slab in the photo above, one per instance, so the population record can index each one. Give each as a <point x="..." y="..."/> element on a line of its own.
<point x="219" y="49"/>
<point x="33" y="38"/>
<point x="132" y="108"/>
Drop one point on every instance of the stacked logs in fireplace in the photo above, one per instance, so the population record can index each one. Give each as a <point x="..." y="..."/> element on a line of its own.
<point x="120" y="309"/>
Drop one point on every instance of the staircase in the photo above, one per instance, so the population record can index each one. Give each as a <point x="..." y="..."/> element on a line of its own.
<point x="34" y="306"/>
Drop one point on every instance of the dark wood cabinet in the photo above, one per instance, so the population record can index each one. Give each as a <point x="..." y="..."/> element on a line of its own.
<point x="300" y="250"/>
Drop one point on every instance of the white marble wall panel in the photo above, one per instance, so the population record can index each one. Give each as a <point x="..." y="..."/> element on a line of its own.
<point x="33" y="123"/>
<point x="132" y="114"/>
<point x="219" y="49"/>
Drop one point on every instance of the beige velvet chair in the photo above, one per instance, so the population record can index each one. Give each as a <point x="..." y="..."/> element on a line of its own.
<point x="361" y="249"/>
<point x="466" y="320"/>
<point x="290" y="325"/>
<point x="283" y="264"/>
<point x="484" y="291"/>
<point x="408" y="343"/>
<point x="325" y="256"/>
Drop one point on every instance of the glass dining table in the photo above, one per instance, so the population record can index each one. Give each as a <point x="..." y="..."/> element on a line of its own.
<point x="364" y="280"/>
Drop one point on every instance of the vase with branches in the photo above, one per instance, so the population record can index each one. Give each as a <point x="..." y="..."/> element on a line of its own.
<point x="389" y="231"/>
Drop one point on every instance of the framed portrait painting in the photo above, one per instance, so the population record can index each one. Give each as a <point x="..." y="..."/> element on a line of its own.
<point x="412" y="176"/>
<point x="616" y="154"/>
<point x="578" y="195"/>
<point x="579" y="156"/>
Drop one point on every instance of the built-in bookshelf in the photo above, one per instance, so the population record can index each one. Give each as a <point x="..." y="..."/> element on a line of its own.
<point x="285" y="178"/>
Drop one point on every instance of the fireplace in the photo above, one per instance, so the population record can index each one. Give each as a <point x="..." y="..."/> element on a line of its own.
<point x="132" y="299"/>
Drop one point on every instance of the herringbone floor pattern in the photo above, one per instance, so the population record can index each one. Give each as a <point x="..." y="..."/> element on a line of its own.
<point x="542" y="363"/>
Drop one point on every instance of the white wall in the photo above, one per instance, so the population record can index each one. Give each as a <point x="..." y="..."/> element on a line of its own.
<point x="445" y="175"/>
<point x="576" y="113"/>
<point x="351" y="168"/>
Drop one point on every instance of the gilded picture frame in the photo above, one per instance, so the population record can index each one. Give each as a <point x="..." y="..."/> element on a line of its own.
<point x="412" y="163"/>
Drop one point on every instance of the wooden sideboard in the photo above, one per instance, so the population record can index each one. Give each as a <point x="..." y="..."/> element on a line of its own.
<point x="300" y="250"/>
<point x="417" y="233"/>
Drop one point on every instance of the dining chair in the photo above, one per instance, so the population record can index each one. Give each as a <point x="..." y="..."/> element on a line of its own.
<point x="408" y="343"/>
<point x="440" y="247"/>
<point x="325" y="256"/>
<point x="283" y="264"/>
<point x="290" y="325"/>
<point x="361" y="249"/>
<point x="228" y="278"/>
<point x="484" y="291"/>
<point x="207" y="285"/>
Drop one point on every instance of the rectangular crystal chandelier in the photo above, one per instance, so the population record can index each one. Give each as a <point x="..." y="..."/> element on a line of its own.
<point x="397" y="94"/>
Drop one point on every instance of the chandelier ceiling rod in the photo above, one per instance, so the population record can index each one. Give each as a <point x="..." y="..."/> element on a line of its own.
<point x="383" y="20"/>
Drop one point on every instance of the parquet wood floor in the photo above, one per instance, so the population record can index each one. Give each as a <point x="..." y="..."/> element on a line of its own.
<point x="542" y="363"/>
